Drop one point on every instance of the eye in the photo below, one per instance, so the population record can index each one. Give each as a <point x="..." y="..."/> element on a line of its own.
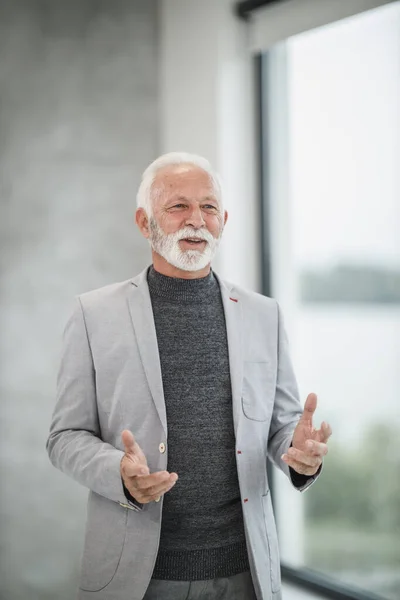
<point x="210" y="206"/>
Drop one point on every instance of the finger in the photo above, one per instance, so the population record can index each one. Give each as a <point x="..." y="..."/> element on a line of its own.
<point x="149" y="494"/>
<point x="299" y="467"/>
<point x="325" y="432"/>
<point x="317" y="448"/>
<point x="133" y="467"/>
<point x="144" y="483"/>
<point x="156" y="491"/>
<point x="310" y="406"/>
<point x="304" y="458"/>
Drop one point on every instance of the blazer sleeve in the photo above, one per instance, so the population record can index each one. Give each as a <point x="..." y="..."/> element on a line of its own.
<point x="74" y="444"/>
<point x="286" y="412"/>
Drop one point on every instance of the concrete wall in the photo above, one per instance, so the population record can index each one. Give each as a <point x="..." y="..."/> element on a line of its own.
<point x="78" y="123"/>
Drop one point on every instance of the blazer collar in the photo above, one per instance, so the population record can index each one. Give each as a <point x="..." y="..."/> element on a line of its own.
<point x="142" y="278"/>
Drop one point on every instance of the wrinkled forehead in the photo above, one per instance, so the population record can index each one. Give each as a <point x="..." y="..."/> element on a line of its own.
<point x="183" y="180"/>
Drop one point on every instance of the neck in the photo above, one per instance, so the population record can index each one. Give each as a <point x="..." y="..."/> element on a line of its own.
<point x="162" y="266"/>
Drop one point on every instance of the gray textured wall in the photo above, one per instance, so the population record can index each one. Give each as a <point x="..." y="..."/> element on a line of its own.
<point x="78" y="123"/>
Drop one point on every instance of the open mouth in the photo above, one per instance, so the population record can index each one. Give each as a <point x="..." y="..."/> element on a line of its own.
<point x="193" y="241"/>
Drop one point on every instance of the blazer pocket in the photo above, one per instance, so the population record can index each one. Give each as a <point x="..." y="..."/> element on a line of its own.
<point x="104" y="542"/>
<point x="258" y="390"/>
<point x="272" y="539"/>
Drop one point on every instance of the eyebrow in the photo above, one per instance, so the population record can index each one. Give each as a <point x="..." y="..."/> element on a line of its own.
<point x="205" y="199"/>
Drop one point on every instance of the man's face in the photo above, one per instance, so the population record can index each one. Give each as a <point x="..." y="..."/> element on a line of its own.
<point x="187" y="220"/>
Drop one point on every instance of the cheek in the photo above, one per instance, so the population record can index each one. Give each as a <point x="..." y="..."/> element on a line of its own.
<point x="170" y="223"/>
<point x="214" y="224"/>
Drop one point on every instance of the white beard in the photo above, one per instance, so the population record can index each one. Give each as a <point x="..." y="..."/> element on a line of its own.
<point x="167" y="246"/>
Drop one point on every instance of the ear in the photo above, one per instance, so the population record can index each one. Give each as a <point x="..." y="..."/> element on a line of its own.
<point x="225" y="217"/>
<point x="142" y="222"/>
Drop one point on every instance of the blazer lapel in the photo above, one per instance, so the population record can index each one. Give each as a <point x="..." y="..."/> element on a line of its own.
<point x="144" y="327"/>
<point x="234" y="328"/>
<point x="145" y="330"/>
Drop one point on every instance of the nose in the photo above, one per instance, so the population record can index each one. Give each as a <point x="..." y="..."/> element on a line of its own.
<point x="195" y="219"/>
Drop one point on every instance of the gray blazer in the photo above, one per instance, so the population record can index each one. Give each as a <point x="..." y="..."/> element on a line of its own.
<point x="110" y="380"/>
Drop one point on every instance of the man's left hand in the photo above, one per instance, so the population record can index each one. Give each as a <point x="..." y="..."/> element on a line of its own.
<point x="309" y="445"/>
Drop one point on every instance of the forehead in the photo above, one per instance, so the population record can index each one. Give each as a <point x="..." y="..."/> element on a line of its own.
<point x="183" y="180"/>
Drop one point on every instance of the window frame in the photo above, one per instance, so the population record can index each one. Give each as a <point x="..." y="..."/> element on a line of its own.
<point x="304" y="578"/>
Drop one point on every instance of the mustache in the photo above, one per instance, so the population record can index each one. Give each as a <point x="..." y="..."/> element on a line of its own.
<point x="197" y="234"/>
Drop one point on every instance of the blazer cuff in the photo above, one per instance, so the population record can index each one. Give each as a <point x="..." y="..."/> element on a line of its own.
<point x="299" y="480"/>
<point x="131" y="500"/>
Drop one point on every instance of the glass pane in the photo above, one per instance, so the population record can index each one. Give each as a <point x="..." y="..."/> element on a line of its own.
<point x="343" y="228"/>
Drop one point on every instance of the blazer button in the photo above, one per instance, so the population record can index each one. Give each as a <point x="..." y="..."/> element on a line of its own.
<point x="161" y="447"/>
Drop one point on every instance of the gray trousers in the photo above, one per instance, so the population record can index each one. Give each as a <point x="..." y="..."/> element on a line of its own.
<point x="237" y="587"/>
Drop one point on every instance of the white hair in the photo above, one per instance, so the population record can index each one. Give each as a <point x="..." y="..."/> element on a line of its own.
<point x="146" y="194"/>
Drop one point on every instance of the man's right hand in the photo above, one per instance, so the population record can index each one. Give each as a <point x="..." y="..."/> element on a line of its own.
<point x="142" y="485"/>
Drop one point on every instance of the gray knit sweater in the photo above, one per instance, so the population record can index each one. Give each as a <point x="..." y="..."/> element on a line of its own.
<point x="202" y="533"/>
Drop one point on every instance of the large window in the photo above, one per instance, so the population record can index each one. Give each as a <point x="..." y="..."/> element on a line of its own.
<point x="332" y="199"/>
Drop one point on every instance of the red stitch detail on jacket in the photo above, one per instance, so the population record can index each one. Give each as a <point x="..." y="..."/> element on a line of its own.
<point x="233" y="299"/>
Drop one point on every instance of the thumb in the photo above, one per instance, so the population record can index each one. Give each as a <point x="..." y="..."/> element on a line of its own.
<point x="129" y="441"/>
<point x="310" y="406"/>
<point x="133" y="450"/>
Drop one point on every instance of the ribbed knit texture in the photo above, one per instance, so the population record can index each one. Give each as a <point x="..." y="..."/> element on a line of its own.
<point x="202" y="532"/>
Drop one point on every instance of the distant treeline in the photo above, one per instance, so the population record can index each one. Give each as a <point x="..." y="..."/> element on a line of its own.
<point x="361" y="487"/>
<point x="351" y="283"/>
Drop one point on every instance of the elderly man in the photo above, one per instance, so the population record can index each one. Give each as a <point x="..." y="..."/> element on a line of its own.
<point x="173" y="388"/>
